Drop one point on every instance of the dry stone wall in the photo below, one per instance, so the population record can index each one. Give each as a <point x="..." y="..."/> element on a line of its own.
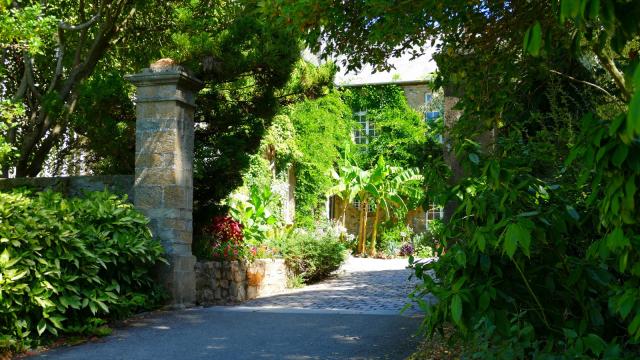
<point x="230" y="282"/>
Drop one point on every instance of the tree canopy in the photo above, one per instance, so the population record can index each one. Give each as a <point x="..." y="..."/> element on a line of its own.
<point x="541" y="252"/>
<point x="49" y="49"/>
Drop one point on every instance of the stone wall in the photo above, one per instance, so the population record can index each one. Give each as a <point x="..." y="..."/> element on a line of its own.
<point x="415" y="94"/>
<point x="229" y="282"/>
<point x="74" y="185"/>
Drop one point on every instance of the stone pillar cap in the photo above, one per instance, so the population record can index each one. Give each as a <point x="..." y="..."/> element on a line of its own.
<point x="166" y="71"/>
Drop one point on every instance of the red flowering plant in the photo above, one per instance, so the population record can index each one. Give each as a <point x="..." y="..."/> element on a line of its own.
<point x="226" y="240"/>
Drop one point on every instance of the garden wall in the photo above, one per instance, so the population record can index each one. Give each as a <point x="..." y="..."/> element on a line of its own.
<point x="74" y="185"/>
<point x="228" y="282"/>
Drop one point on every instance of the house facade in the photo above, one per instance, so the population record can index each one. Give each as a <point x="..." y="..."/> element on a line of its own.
<point x="419" y="96"/>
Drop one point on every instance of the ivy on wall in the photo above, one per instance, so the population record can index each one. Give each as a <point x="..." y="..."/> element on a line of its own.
<point x="323" y="127"/>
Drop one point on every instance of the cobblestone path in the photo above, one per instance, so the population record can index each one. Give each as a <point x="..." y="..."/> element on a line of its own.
<point x="361" y="286"/>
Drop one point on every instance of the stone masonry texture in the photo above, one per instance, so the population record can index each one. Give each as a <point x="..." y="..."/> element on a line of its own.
<point x="231" y="282"/>
<point x="163" y="187"/>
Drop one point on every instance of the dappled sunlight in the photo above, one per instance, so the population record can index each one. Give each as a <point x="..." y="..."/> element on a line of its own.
<point x="346" y="338"/>
<point x="361" y="286"/>
<point x="224" y="332"/>
<point x="161" y="327"/>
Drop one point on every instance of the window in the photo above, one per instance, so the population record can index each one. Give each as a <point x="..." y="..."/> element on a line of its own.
<point x="371" y="206"/>
<point x="366" y="129"/>
<point x="429" y="114"/>
<point x="435" y="212"/>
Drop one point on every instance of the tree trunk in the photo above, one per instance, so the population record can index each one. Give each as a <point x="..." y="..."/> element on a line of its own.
<point x="374" y="234"/>
<point x="44" y="129"/>
<point x="345" y="205"/>
<point x="362" y="234"/>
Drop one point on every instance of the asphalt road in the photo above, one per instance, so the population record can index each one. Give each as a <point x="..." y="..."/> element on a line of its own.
<point x="244" y="333"/>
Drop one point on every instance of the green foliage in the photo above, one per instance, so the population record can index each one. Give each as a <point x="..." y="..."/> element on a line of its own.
<point x="27" y="28"/>
<point x="8" y="111"/>
<point x="399" y="129"/>
<point x="372" y="97"/>
<point x="255" y="212"/>
<point x="540" y="251"/>
<point x="313" y="255"/>
<point x="389" y="188"/>
<point x="399" y="137"/>
<point x="392" y="236"/>
<point x="66" y="263"/>
<point x="295" y="282"/>
<point x="230" y="145"/>
<point x="105" y="116"/>
<point x="323" y="127"/>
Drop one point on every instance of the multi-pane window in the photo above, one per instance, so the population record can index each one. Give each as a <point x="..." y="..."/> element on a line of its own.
<point x="365" y="130"/>
<point x="371" y="206"/>
<point x="434" y="212"/>
<point x="429" y="114"/>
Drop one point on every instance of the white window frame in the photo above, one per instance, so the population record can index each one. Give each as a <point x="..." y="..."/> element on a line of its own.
<point x="367" y="128"/>
<point x="434" y="212"/>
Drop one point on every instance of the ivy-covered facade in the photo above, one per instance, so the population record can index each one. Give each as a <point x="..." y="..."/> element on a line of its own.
<point x="391" y="119"/>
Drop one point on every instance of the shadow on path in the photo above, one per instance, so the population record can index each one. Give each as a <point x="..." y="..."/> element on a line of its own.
<point x="379" y="292"/>
<point x="212" y="334"/>
<point x="350" y="316"/>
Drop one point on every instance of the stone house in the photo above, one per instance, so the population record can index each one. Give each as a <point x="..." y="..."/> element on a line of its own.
<point x="418" y="95"/>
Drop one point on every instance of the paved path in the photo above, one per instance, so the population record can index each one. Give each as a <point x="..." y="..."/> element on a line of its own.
<point x="368" y="286"/>
<point x="352" y="316"/>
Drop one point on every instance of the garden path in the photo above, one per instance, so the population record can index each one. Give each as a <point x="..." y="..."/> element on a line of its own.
<point x="366" y="286"/>
<point x="354" y="315"/>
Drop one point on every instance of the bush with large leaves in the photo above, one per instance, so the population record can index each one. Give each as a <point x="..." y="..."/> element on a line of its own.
<point x="542" y="252"/>
<point x="64" y="263"/>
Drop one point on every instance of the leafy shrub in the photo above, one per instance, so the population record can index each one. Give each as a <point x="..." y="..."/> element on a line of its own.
<point x="545" y="266"/>
<point x="313" y="255"/>
<point x="66" y="263"/>
<point x="427" y="242"/>
<point x="423" y="245"/>
<point x="392" y="237"/>
<point x="256" y="213"/>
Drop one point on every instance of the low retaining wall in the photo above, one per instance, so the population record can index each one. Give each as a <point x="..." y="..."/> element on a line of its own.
<point x="74" y="185"/>
<point x="227" y="282"/>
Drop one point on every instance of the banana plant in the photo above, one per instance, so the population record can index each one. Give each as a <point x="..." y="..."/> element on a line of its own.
<point x="344" y="188"/>
<point x="389" y="187"/>
<point x="353" y="182"/>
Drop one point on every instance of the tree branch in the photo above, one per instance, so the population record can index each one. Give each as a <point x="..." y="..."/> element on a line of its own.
<point x="59" y="56"/>
<point x="83" y="36"/>
<point x="28" y="66"/>
<point x="22" y="88"/>
<point x="607" y="63"/>
<point x="82" y="26"/>
<point x="37" y="162"/>
<point x="582" y="82"/>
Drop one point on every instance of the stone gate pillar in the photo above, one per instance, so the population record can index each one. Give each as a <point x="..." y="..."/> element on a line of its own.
<point x="163" y="188"/>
